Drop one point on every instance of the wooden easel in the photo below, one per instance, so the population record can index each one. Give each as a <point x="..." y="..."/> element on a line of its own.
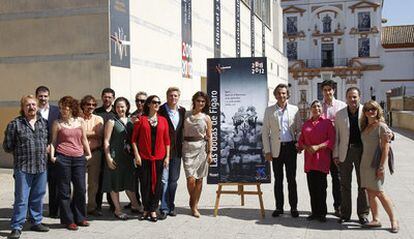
<point x="240" y="191"/>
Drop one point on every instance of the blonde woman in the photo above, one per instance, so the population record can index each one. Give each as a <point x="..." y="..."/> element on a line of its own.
<point x="373" y="133"/>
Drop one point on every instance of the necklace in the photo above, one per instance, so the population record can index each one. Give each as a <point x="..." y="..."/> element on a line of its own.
<point x="153" y="120"/>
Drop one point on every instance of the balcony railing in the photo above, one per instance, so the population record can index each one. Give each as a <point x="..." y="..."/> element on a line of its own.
<point x="318" y="63"/>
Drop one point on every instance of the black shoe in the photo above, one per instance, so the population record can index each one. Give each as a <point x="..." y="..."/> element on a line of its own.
<point x="337" y="212"/>
<point x="15" y="234"/>
<point x="143" y="217"/>
<point x="311" y="217"/>
<point x="342" y="220"/>
<point x="95" y="213"/>
<point x="322" y="218"/>
<point x="39" y="228"/>
<point x="277" y="212"/>
<point x="294" y="213"/>
<point x="363" y="220"/>
<point x="128" y="206"/>
<point x="172" y="213"/>
<point x="162" y="216"/>
<point x="153" y="219"/>
<point x="53" y="215"/>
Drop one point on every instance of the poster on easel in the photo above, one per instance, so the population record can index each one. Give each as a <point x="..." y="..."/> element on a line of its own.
<point x="237" y="88"/>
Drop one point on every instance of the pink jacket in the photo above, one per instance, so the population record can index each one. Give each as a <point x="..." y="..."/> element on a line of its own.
<point x="315" y="132"/>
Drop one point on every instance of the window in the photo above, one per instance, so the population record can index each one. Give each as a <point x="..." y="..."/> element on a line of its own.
<point x="327" y="22"/>
<point x="292" y="50"/>
<point x="364" y="21"/>
<point x="291" y="25"/>
<point x="363" y="47"/>
<point x="261" y="9"/>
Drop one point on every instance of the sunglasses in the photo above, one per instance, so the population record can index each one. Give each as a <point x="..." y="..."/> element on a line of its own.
<point x="139" y="101"/>
<point x="370" y="109"/>
<point x="91" y="104"/>
<point x="155" y="102"/>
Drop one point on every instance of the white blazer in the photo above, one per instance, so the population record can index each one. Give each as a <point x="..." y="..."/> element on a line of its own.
<point x="271" y="128"/>
<point x="342" y="132"/>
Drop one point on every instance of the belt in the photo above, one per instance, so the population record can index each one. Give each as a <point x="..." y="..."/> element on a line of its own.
<point x="287" y="143"/>
<point x="193" y="139"/>
<point x="355" y="145"/>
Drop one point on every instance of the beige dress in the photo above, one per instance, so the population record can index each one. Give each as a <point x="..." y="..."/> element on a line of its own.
<point x="371" y="141"/>
<point x="194" y="146"/>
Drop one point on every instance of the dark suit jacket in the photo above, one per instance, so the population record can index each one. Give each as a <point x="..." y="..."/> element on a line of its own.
<point x="54" y="114"/>
<point x="176" y="135"/>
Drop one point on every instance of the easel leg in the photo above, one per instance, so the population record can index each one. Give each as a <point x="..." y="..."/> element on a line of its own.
<point x="241" y="193"/>
<point x="218" y="194"/>
<point x="259" y="192"/>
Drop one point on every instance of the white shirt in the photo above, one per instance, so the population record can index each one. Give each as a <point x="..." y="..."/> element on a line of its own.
<point x="329" y="110"/>
<point x="174" y="116"/>
<point x="44" y="112"/>
<point x="283" y="116"/>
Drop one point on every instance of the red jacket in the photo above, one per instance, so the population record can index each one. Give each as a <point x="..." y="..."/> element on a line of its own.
<point x="141" y="135"/>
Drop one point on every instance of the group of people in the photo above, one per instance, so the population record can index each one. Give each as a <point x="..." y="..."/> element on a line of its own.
<point x="139" y="153"/>
<point x="336" y="138"/>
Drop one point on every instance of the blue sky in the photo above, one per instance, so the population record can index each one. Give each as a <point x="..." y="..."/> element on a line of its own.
<point x="398" y="12"/>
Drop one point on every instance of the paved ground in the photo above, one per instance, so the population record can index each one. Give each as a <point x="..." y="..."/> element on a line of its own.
<point x="235" y="221"/>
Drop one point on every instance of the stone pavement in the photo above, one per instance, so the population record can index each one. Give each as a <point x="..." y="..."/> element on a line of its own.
<point x="235" y="221"/>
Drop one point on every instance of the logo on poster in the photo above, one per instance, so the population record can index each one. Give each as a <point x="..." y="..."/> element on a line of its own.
<point x="258" y="68"/>
<point x="187" y="65"/>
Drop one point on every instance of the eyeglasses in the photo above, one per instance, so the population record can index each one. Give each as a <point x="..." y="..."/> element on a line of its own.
<point x="155" y="102"/>
<point x="139" y="101"/>
<point x="91" y="104"/>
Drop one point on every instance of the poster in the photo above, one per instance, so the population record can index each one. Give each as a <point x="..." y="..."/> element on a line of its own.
<point x="238" y="92"/>
<point x="120" y="34"/>
<point x="186" y="40"/>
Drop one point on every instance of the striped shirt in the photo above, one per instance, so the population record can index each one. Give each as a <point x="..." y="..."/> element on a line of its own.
<point x="28" y="145"/>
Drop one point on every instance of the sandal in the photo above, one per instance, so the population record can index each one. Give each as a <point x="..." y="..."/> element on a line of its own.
<point x="143" y="217"/>
<point x="122" y="216"/>
<point x="373" y="224"/>
<point x="395" y="227"/>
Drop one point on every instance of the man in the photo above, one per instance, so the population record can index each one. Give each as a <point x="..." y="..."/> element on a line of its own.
<point x="27" y="138"/>
<point x="94" y="133"/>
<point x="140" y="99"/>
<point x="347" y="154"/>
<point x="50" y="113"/>
<point x="330" y="106"/>
<point x="107" y="112"/>
<point x="175" y="116"/>
<point x="281" y="128"/>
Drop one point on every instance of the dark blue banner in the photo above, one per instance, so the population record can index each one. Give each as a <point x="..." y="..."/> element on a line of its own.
<point x="120" y="33"/>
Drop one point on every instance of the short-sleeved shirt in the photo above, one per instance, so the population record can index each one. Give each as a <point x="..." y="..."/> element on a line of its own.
<point x="28" y="145"/>
<point x="101" y="111"/>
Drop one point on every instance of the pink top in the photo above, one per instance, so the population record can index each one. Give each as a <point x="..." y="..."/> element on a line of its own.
<point x="316" y="132"/>
<point x="69" y="142"/>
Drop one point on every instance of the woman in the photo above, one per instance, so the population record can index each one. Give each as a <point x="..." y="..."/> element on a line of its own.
<point x="151" y="146"/>
<point x="119" y="173"/>
<point x="373" y="129"/>
<point x="72" y="152"/>
<point x="197" y="148"/>
<point x="317" y="139"/>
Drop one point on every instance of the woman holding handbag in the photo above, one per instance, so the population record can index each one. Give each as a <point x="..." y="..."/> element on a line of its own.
<point x="373" y="129"/>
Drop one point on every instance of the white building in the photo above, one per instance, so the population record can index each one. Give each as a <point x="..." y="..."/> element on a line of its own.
<point x="341" y="40"/>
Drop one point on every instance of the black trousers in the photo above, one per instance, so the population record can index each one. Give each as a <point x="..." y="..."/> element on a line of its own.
<point x="151" y="199"/>
<point x="317" y="185"/>
<point x="137" y="183"/>
<point x="287" y="157"/>
<point x="53" y="183"/>
<point x="72" y="170"/>
<point x="336" y="185"/>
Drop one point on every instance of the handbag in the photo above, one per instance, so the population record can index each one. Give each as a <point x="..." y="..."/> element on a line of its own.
<point x="377" y="156"/>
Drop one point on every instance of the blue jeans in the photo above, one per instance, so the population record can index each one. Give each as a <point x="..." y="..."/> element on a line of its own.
<point x="29" y="190"/>
<point x="72" y="169"/>
<point x="169" y="181"/>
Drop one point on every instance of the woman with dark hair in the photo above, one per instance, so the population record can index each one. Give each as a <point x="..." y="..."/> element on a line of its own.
<point x="197" y="148"/>
<point x="373" y="131"/>
<point x="151" y="146"/>
<point x="318" y="140"/>
<point x="70" y="143"/>
<point x="119" y="170"/>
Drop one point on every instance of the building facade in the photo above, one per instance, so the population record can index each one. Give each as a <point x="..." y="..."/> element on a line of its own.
<point x="339" y="40"/>
<point x="79" y="47"/>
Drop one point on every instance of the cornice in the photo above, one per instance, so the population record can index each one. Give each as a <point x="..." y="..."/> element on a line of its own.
<point x="365" y="4"/>
<point x="294" y="9"/>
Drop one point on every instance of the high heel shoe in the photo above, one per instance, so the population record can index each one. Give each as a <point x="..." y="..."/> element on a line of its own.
<point x="153" y="218"/>
<point x="395" y="227"/>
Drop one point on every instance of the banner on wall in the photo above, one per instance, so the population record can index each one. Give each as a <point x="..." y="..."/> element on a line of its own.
<point x="217" y="29"/>
<point x="237" y="89"/>
<point x="187" y="40"/>
<point x="237" y="30"/>
<point x="120" y="33"/>
<point x="252" y="36"/>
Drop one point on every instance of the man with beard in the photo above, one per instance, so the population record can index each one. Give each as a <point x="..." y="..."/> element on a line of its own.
<point x="27" y="138"/>
<point x="50" y="113"/>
